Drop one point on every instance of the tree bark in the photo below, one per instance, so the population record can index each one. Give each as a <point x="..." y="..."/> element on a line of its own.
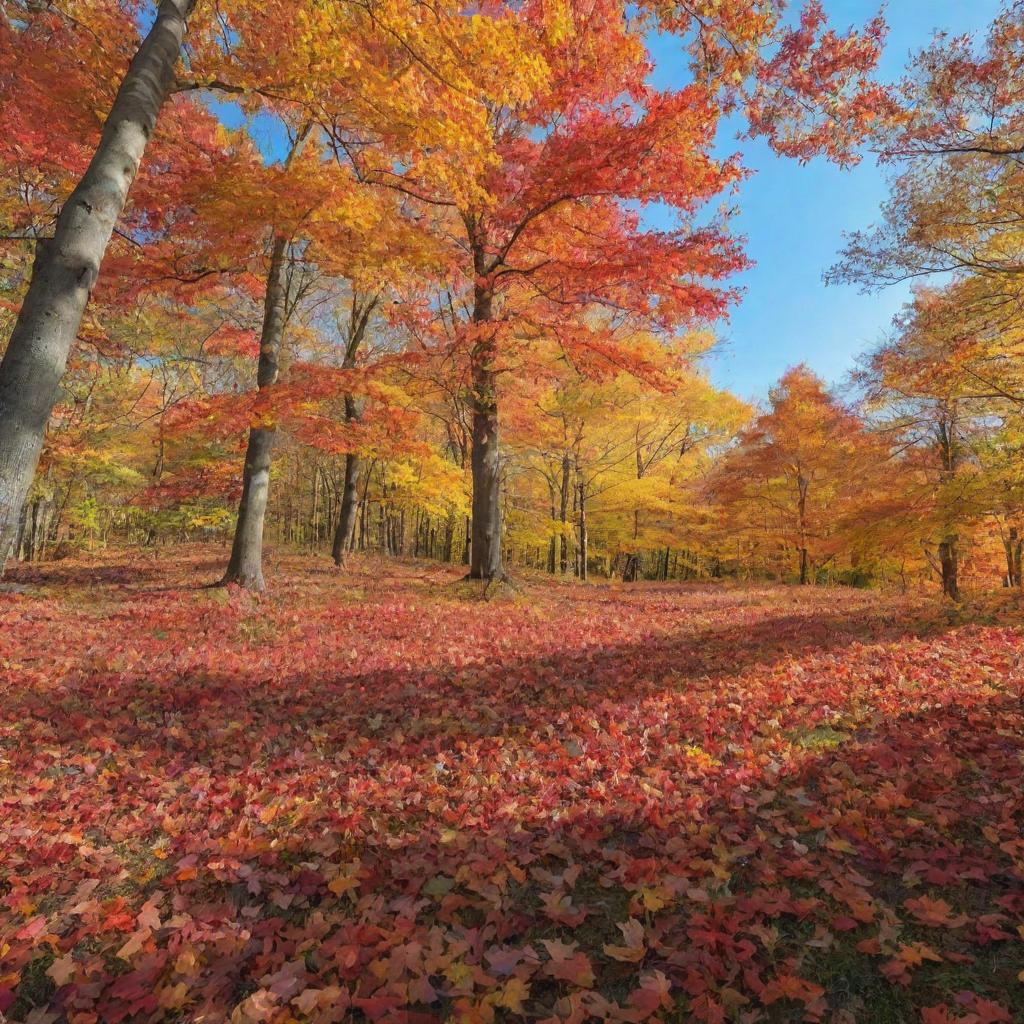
<point x="1013" y="545"/>
<point x="66" y="266"/>
<point x="344" y="535"/>
<point x="803" y="485"/>
<point x="245" y="566"/>
<point x="563" y="539"/>
<point x="553" y="543"/>
<point x="584" y="537"/>
<point x="948" y="561"/>
<point x="345" y="532"/>
<point x="632" y="570"/>
<point x="485" y="551"/>
<point x="449" y="538"/>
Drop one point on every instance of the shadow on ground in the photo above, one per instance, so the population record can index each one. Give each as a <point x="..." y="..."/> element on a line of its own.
<point x="361" y="797"/>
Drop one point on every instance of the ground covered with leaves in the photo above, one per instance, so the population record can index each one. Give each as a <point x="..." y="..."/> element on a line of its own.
<point x="375" y="797"/>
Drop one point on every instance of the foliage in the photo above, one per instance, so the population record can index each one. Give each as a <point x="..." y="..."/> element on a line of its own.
<point x="796" y="472"/>
<point x="378" y="800"/>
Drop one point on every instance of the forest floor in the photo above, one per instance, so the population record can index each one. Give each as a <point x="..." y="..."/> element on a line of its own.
<point x="373" y="796"/>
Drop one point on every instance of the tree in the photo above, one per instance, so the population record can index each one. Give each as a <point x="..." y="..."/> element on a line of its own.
<point x="793" y="469"/>
<point x="936" y="418"/>
<point x="245" y="565"/>
<point x="360" y="310"/>
<point x="604" y="461"/>
<point x="955" y="210"/>
<point x="545" y="243"/>
<point x="67" y="265"/>
<point x="955" y="139"/>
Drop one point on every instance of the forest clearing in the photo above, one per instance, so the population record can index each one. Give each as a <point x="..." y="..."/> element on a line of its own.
<point x="381" y="796"/>
<point x="511" y="510"/>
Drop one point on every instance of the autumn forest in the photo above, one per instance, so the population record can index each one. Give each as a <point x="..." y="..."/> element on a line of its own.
<point x="402" y="616"/>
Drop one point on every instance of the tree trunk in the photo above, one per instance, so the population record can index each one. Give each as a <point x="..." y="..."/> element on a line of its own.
<point x="66" y="266"/>
<point x="1013" y="546"/>
<point x="245" y="566"/>
<point x="584" y="538"/>
<point x="345" y="532"/>
<point x="364" y="503"/>
<point x="803" y="567"/>
<point x="449" y="538"/>
<point x="553" y="543"/>
<point x="485" y="553"/>
<point x="564" y="514"/>
<point x="948" y="560"/>
<point x="359" y="319"/>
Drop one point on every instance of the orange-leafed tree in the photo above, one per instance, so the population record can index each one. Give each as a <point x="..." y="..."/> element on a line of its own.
<point x="795" y="470"/>
<point x="955" y="143"/>
<point x="162" y="262"/>
<point x="370" y="50"/>
<point x="547" y="244"/>
<point x="927" y="400"/>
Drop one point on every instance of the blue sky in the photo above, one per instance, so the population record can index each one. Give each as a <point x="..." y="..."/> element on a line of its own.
<point x="794" y="218"/>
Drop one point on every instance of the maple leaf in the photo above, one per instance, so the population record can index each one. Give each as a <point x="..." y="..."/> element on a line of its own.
<point x="62" y="970"/>
<point x="788" y="986"/>
<point x="559" y="907"/>
<point x="511" y="995"/>
<point x="568" y="965"/>
<point x="33" y="929"/>
<point x="260" y="1006"/>
<point x="935" y="913"/>
<point x="635" y="949"/>
<point x="653" y="994"/>
<point x="149" y="915"/>
<point x="655" y="898"/>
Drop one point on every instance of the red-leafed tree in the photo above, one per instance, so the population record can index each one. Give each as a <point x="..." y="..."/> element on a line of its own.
<point x="549" y="241"/>
<point x="67" y="264"/>
<point x="167" y="249"/>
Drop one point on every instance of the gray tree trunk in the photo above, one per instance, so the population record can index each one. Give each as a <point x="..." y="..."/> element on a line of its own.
<point x="563" y="538"/>
<point x="343" y="535"/>
<point x="66" y="266"/>
<point x="584" y="536"/>
<point x="245" y="566"/>
<point x="485" y="554"/>
<point x="345" y="531"/>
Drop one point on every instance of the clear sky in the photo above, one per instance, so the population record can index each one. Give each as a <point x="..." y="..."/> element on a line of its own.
<point x="794" y="218"/>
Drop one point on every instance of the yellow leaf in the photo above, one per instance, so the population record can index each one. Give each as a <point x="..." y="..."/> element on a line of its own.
<point x="511" y="995"/>
<point x="343" y="883"/>
<point x="655" y="898"/>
